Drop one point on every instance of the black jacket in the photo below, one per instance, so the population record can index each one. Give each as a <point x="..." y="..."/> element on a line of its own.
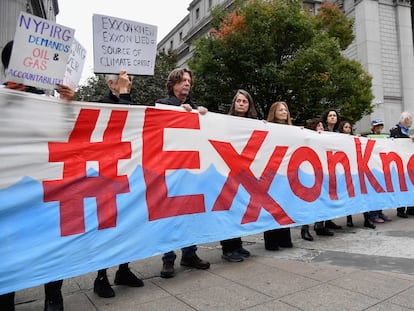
<point x="396" y="132"/>
<point x="174" y="101"/>
<point x="124" y="99"/>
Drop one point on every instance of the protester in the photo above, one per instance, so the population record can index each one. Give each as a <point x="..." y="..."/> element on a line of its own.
<point x="179" y="84"/>
<point x="330" y="119"/>
<point x="401" y="130"/>
<point x="242" y="106"/>
<point x="377" y="126"/>
<point x="53" y="290"/>
<point x="345" y="127"/>
<point x="119" y="93"/>
<point x="316" y="124"/>
<point x="278" y="113"/>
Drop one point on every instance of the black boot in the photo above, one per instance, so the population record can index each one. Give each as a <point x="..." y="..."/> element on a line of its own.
<point x="101" y="285"/>
<point x="7" y="301"/>
<point x="329" y="224"/>
<point x="53" y="296"/>
<point x="349" y="222"/>
<point x="367" y="222"/>
<point x="320" y="229"/>
<point x="305" y="234"/>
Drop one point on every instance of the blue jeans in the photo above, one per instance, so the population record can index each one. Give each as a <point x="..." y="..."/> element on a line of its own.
<point x="186" y="252"/>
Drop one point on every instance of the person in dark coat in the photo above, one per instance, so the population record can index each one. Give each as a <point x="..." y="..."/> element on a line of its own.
<point x="119" y="93"/>
<point x="179" y="84"/>
<point x="401" y="130"/>
<point x="53" y="290"/>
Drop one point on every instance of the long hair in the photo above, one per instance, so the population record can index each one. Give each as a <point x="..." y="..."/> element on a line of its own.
<point x="271" y="117"/>
<point x="341" y="127"/>
<point x="5" y="54"/>
<point x="176" y="76"/>
<point x="324" y="118"/>
<point x="251" y="112"/>
<point x="312" y="124"/>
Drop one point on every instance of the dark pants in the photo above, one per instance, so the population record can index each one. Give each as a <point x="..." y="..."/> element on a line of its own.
<point x="52" y="292"/>
<point x="231" y="245"/>
<point x="186" y="252"/>
<point x="7" y="302"/>
<point x="277" y="237"/>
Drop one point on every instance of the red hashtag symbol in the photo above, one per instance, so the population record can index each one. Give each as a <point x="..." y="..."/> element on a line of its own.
<point x="75" y="185"/>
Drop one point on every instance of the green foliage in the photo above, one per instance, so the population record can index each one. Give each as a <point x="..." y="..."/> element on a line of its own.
<point x="276" y="52"/>
<point x="94" y="89"/>
<point x="145" y="89"/>
<point x="335" y="23"/>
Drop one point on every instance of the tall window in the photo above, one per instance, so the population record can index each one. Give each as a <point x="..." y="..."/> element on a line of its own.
<point x="181" y="36"/>
<point x="197" y="13"/>
<point x="210" y="3"/>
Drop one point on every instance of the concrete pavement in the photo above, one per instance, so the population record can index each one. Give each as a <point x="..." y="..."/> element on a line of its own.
<point x="357" y="269"/>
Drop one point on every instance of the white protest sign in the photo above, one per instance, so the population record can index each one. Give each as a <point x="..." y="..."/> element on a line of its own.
<point x="40" y="52"/>
<point x="75" y="65"/>
<point x="121" y="44"/>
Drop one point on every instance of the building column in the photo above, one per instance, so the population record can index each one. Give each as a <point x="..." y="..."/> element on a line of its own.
<point x="368" y="41"/>
<point x="405" y="42"/>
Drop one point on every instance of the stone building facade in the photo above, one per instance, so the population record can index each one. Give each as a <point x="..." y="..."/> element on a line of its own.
<point x="383" y="45"/>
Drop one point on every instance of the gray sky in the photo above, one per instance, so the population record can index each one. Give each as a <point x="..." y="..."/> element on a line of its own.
<point x="77" y="14"/>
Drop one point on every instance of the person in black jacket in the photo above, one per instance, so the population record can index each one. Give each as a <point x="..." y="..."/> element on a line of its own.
<point x="242" y="106"/>
<point x="179" y="84"/>
<point x="119" y="93"/>
<point x="53" y="290"/>
<point x="401" y="130"/>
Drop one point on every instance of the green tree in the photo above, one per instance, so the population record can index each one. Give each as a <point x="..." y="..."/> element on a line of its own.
<point x="276" y="52"/>
<point x="145" y="89"/>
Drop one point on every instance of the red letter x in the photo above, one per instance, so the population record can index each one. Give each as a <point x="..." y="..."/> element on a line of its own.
<point x="240" y="174"/>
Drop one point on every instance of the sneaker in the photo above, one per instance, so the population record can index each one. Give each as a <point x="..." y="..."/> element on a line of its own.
<point x="51" y="305"/>
<point x="194" y="262"/>
<point x="377" y="220"/>
<point x="244" y="252"/>
<point x="167" y="270"/>
<point x="331" y="225"/>
<point x="232" y="256"/>
<point x="126" y="277"/>
<point x="102" y="287"/>
<point x="385" y="217"/>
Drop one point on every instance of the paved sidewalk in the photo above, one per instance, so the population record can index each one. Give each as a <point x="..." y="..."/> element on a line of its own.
<point x="357" y="269"/>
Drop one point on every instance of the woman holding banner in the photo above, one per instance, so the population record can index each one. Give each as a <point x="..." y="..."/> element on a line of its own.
<point x="242" y="106"/>
<point x="278" y="113"/>
<point x="330" y="119"/>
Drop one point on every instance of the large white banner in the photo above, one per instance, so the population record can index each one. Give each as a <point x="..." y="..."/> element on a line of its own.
<point x="85" y="186"/>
